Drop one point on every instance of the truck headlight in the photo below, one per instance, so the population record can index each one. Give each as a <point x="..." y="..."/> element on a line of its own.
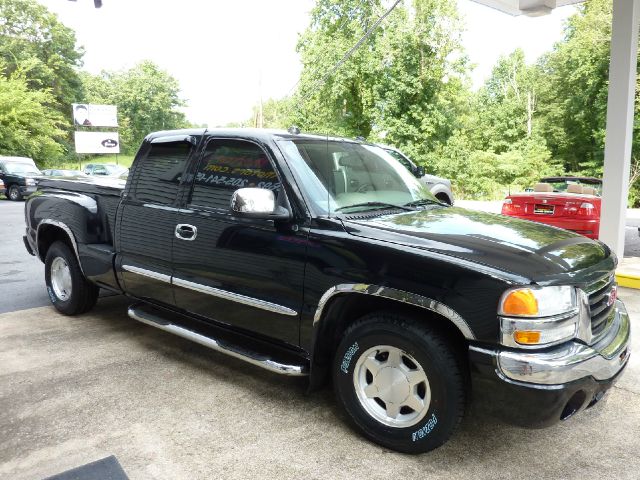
<point x="30" y="181"/>
<point x="532" y="317"/>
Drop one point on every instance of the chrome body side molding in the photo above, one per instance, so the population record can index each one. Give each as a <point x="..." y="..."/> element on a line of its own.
<point x="216" y="292"/>
<point x="147" y="273"/>
<point x="396" y="295"/>
<point x="138" y="313"/>
<point x="235" y="297"/>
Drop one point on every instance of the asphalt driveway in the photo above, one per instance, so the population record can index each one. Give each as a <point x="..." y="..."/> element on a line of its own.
<point x="21" y="275"/>
<point x="77" y="389"/>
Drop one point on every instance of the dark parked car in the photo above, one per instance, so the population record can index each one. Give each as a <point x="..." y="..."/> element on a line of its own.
<point x="326" y="258"/>
<point x="19" y="175"/>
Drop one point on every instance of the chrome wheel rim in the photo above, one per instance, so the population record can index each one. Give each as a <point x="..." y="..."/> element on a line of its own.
<point x="61" y="278"/>
<point x="392" y="386"/>
<point x="13" y="193"/>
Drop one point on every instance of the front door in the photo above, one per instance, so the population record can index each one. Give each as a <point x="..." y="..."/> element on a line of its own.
<point x="247" y="273"/>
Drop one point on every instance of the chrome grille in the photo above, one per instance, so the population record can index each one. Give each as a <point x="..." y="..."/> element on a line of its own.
<point x="601" y="313"/>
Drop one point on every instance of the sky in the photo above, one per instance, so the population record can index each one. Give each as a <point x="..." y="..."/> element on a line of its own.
<point x="226" y="54"/>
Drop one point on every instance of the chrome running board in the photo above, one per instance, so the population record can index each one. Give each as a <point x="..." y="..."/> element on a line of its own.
<point x="139" y="313"/>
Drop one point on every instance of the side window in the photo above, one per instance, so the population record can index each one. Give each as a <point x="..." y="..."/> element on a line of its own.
<point x="158" y="174"/>
<point x="228" y="165"/>
<point x="400" y="158"/>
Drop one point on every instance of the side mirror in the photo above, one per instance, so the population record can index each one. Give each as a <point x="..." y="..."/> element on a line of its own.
<point x="257" y="203"/>
<point x="419" y="171"/>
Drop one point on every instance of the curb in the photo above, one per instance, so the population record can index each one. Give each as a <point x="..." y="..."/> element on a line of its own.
<point x="628" y="280"/>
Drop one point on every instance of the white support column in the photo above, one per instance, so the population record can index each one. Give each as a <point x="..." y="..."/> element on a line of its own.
<point x="617" y="150"/>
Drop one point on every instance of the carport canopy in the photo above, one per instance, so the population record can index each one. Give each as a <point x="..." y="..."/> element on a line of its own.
<point x="620" y="106"/>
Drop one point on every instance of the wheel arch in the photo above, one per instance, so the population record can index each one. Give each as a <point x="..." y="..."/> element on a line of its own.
<point x="50" y="231"/>
<point x="343" y="304"/>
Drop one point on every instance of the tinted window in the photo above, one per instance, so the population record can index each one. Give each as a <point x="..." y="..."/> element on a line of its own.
<point x="228" y="165"/>
<point x="400" y="158"/>
<point x="158" y="173"/>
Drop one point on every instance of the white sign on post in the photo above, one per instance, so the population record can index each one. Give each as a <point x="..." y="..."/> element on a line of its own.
<point x="89" y="115"/>
<point x="97" y="142"/>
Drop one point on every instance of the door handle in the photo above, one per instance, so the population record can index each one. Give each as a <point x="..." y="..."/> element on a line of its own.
<point x="185" y="231"/>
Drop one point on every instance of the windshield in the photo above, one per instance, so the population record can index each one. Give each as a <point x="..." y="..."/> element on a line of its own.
<point x="22" y="169"/>
<point x="344" y="176"/>
<point x="561" y="187"/>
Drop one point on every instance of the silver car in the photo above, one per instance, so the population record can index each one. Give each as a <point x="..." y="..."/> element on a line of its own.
<point x="439" y="187"/>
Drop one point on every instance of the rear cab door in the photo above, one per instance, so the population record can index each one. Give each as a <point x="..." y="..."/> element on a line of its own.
<point x="147" y="217"/>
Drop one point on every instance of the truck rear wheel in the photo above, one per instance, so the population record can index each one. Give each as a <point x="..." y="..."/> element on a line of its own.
<point x="70" y="292"/>
<point x="399" y="382"/>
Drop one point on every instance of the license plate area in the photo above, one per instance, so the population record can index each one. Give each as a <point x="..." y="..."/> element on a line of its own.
<point x="543" y="209"/>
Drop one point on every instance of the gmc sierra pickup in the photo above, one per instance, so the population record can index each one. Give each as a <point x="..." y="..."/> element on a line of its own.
<point x="325" y="257"/>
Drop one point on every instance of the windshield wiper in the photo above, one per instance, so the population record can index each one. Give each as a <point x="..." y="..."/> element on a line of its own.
<point x="376" y="205"/>
<point x="425" y="201"/>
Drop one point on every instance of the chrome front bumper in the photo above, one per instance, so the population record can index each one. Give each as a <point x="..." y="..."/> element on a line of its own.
<point x="572" y="361"/>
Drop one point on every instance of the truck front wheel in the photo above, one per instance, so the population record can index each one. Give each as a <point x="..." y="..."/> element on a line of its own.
<point x="399" y="382"/>
<point x="70" y="292"/>
<point x="14" y="193"/>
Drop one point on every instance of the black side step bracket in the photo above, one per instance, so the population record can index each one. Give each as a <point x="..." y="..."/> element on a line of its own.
<point x="153" y="317"/>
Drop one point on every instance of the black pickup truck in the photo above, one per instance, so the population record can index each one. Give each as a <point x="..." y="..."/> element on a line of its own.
<point x="325" y="257"/>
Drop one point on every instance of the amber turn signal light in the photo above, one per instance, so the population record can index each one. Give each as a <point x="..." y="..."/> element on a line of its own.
<point x="527" y="337"/>
<point x="520" y="302"/>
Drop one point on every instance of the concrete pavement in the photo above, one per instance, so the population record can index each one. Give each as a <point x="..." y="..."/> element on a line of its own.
<point x="21" y="275"/>
<point x="77" y="389"/>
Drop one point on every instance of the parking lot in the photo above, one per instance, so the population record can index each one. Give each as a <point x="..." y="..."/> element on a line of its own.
<point x="77" y="389"/>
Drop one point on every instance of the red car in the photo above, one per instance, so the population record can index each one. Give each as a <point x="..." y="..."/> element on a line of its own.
<point x="572" y="203"/>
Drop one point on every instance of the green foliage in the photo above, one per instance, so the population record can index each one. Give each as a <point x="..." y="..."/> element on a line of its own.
<point x="401" y="85"/>
<point x="574" y="98"/>
<point x="147" y="98"/>
<point x="34" y="42"/>
<point x="29" y="126"/>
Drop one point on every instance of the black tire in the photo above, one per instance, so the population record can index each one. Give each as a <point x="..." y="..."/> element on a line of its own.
<point x="13" y="193"/>
<point x="444" y="198"/>
<point x="437" y="360"/>
<point x="83" y="295"/>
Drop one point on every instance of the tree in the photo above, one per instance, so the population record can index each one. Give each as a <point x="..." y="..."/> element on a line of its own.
<point x="404" y="85"/>
<point x="28" y="125"/>
<point x="505" y="106"/>
<point x="573" y="101"/>
<point x="148" y="99"/>
<point x="276" y="113"/>
<point x="340" y="104"/>
<point x="33" y="40"/>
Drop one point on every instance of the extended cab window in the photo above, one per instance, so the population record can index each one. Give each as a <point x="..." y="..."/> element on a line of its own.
<point x="158" y="174"/>
<point x="228" y="165"/>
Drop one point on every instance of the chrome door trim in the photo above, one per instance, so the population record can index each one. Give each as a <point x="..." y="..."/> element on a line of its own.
<point x="147" y="273"/>
<point x="235" y="297"/>
<point x="398" y="296"/>
<point x="180" y="237"/>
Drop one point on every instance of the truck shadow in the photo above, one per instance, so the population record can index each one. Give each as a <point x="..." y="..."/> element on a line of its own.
<point x="479" y="440"/>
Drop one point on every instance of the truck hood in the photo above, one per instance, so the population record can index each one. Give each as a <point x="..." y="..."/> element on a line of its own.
<point x="526" y="249"/>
